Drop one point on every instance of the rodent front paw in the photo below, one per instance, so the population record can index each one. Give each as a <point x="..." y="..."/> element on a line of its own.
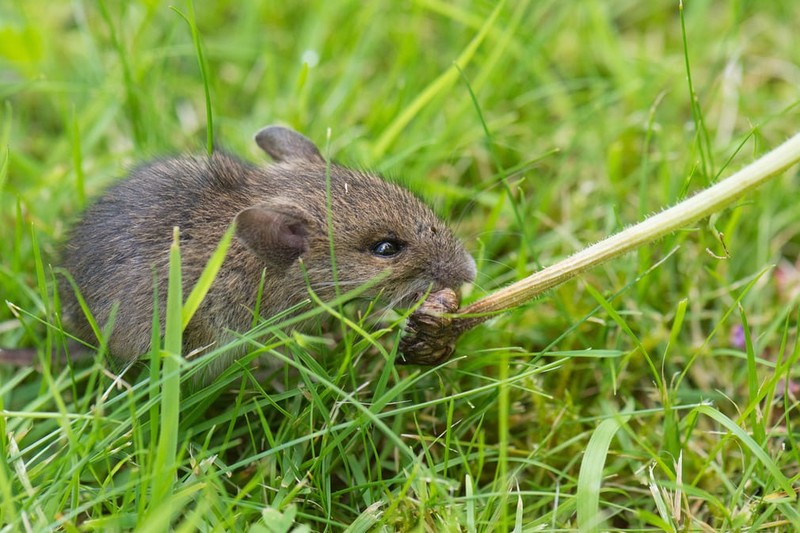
<point x="428" y="338"/>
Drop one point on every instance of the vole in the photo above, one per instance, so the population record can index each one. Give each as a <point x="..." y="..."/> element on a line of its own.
<point x="280" y="211"/>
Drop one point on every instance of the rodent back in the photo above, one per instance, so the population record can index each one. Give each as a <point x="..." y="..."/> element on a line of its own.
<point x="122" y="242"/>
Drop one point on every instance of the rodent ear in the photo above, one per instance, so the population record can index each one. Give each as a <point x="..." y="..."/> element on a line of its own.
<point x="284" y="144"/>
<point x="274" y="235"/>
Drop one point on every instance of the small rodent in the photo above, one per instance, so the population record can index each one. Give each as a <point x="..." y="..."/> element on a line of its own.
<point x="281" y="217"/>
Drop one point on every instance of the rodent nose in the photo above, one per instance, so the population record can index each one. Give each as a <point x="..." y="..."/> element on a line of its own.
<point x="464" y="272"/>
<point x="471" y="269"/>
<point x="451" y="274"/>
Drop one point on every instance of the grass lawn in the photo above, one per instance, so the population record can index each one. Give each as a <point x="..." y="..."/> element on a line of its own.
<point x="657" y="392"/>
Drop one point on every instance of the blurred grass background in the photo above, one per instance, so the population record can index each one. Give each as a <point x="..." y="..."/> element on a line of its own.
<point x="592" y="126"/>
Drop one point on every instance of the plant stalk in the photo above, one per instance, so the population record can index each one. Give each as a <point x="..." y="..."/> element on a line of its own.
<point x="432" y="336"/>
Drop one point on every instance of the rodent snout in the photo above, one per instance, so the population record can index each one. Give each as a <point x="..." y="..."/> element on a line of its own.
<point x="471" y="268"/>
<point x="455" y="271"/>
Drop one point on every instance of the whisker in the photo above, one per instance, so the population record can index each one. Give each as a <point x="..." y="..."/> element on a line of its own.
<point x="504" y="264"/>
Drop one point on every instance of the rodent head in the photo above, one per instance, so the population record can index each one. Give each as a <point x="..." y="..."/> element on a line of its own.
<point x="379" y="229"/>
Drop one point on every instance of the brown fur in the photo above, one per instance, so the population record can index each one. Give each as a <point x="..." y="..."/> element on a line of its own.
<point x="281" y="214"/>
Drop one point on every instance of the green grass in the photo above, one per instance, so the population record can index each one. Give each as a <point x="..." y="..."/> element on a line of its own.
<point x="656" y="392"/>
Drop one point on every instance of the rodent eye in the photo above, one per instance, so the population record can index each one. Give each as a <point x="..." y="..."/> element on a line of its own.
<point x="386" y="248"/>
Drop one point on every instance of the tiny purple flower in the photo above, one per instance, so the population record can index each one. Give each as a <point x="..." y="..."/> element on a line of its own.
<point x="736" y="337"/>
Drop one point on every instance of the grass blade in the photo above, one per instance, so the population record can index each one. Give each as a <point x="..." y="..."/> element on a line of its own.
<point x="590" y="477"/>
<point x="132" y="94"/>
<point x="165" y="466"/>
<point x="190" y="20"/>
<point x="782" y="481"/>
<point x="756" y="419"/>
<point x="4" y="168"/>
<point x="444" y="80"/>
<point x="207" y="277"/>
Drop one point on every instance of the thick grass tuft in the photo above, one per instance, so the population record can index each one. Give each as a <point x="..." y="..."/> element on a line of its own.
<point x="657" y="392"/>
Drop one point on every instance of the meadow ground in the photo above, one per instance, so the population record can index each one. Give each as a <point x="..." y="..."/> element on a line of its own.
<point x="658" y="392"/>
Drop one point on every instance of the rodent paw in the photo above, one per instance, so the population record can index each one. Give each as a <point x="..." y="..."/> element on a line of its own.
<point x="428" y="338"/>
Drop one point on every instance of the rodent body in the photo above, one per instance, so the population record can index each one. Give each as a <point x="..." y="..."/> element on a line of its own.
<point x="281" y="215"/>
